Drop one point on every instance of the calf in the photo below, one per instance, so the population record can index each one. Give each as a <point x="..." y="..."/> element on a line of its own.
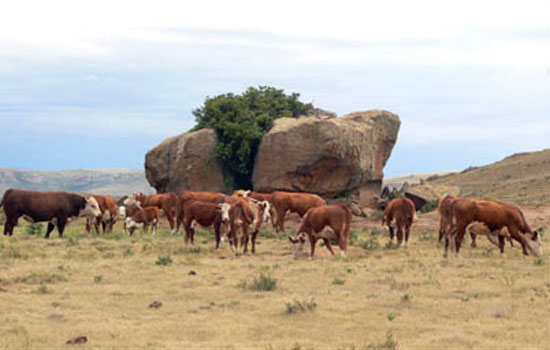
<point x="335" y="217"/>
<point x="495" y="215"/>
<point x="495" y="237"/>
<point x="168" y="202"/>
<point x="55" y="207"/>
<point x="401" y="210"/>
<point x="298" y="203"/>
<point x="206" y="215"/>
<point x="143" y="218"/>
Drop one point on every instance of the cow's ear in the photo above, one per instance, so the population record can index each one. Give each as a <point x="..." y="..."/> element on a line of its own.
<point x="292" y="240"/>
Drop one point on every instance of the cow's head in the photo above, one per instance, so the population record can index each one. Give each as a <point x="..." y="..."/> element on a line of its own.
<point x="132" y="200"/>
<point x="122" y="212"/>
<point x="224" y="208"/>
<point x="534" y="244"/>
<point x="297" y="244"/>
<point x="266" y="210"/>
<point x="131" y="225"/>
<point x="91" y="208"/>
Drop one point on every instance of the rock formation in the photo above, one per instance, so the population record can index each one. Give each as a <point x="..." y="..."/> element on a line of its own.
<point x="331" y="157"/>
<point x="185" y="162"/>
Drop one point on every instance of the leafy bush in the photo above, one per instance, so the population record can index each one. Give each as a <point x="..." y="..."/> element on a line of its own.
<point x="430" y="206"/>
<point x="389" y="344"/>
<point x="240" y="121"/>
<point x="164" y="260"/>
<point x="300" y="306"/>
<point x="261" y="283"/>
<point x="338" y="281"/>
<point x="370" y="244"/>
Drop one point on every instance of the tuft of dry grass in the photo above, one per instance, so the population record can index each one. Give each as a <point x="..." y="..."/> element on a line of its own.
<point x="101" y="287"/>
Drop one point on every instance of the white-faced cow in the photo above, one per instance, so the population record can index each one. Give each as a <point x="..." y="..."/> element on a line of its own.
<point x="143" y="218"/>
<point x="108" y="216"/>
<point x="324" y="222"/>
<point x="54" y="207"/>
<point x="496" y="216"/>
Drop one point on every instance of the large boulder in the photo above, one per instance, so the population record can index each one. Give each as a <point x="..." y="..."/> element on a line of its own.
<point x="185" y="162"/>
<point x="336" y="156"/>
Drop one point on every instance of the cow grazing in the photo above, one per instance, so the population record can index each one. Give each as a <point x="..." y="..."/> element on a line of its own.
<point x="55" y="207"/>
<point x="168" y="202"/>
<point x="298" y="203"/>
<point x="108" y="216"/>
<point x="496" y="216"/>
<point x="401" y="210"/>
<point x="495" y="237"/>
<point x="143" y="218"/>
<point x="206" y="215"/>
<point x="337" y="218"/>
<point x="202" y="196"/>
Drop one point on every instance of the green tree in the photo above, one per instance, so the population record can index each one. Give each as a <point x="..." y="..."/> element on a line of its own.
<point x="240" y="122"/>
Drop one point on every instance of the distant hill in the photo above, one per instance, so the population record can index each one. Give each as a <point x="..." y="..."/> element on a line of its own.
<point x="115" y="182"/>
<point x="522" y="178"/>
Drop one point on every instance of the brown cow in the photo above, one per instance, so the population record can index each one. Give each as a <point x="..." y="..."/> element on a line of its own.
<point x="108" y="216"/>
<point x="335" y="217"/>
<point x="495" y="215"/>
<point x="241" y="218"/>
<point x="168" y="202"/>
<point x="143" y="218"/>
<point x="298" y="203"/>
<point x="260" y="197"/>
<point x="205" y="214"/>
<point x="202" y="196"/>
<point x="54" y="207"/>
<point x="404" y="213"/>
<point x="262" y="213"/>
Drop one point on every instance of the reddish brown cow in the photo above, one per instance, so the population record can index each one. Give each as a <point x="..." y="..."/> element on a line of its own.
<point x="205" y="214"/>
<point x="168" y="202"/>
<point x="143" y="218"/>
<point x="495" y="215"/>
<point x="335" y="217"/>
<point x="108" y="216"/>
<point x="298" y="203"/>
<point x="401" y="210"/>
<point x="202" y="196"/>
<point x="54" y="207"/>
<point x="241" y="217"/>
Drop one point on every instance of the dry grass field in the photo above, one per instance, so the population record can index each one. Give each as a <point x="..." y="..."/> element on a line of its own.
<point x="379" y="297"/>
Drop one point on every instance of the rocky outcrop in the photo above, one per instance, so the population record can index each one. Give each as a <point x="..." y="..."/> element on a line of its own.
<point x="338" y="156"/>
<point x="185" y="162"/>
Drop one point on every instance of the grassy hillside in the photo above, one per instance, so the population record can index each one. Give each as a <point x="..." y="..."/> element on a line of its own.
<point x="101" y="181"/>
<point x="522" y="178"/>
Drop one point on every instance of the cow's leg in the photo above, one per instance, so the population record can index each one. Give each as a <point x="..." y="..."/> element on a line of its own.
<point x="461" y="231"/>
<point x="342" y="243"/>
<point x="328" y="244"/>
<point x="312" y="242"/>
<point x="217" y="231"/>
<point x="399" y="233"/>
<point x="281" y="214"/>
<point x="473" y="237"/>
<point x="8" y="228"/>
<point x="407" y="231"/>
<point x="254" y="235"/>
<point x="170" y="219"/>
<point x="96" y="225"/>
<point x="49" y="230"/>
<point x="61" y="223"/>
<point x="104" y="226"/>
<point x="501" y="242"/>
<point x="154" y="226"/>
<point x="88" y="225"/>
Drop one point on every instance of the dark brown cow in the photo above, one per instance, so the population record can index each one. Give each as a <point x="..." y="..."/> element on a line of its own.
<point x="205" y="214"/>
<point x="168" y="202"/>
<point x="495" y="215"/>
<point x="401" y="210"/>
<point x="335" y="217"/>
<point x="298" y="203"/>
<point x="108" y="217"/>
<point x="54" y="207"/>
<point x="143" y="218"/>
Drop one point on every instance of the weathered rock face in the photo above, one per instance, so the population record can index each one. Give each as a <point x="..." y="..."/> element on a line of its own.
<point x="327" y="156"/>
<point x="185" y="162"/>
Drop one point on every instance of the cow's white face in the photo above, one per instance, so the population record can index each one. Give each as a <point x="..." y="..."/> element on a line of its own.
<point x="224" y="207"/>
<point x="534" y="245"/>
<point x="91" y="209"/>
<point x="267" y="211"/>
<point x="131" y="225"/>
<point x="122" y="212"/>
<point x="297" y="244"/>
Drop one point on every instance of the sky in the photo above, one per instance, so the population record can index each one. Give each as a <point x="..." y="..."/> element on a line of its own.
<point x="95" y="84"/>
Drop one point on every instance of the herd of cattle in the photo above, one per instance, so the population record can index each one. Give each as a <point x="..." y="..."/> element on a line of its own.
<point x="240" y="216"/>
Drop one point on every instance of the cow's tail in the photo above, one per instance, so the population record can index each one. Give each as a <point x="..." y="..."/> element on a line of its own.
<point x="347" y="222"/>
